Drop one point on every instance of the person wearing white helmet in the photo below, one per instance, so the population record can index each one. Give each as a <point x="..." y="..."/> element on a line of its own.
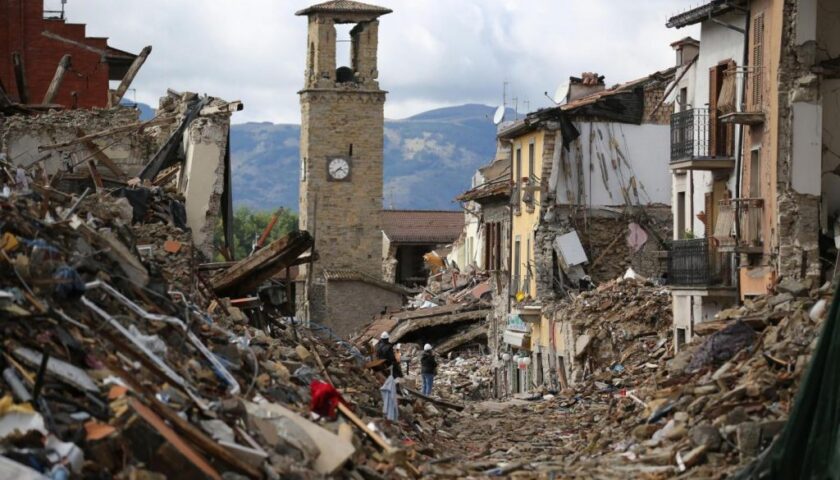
<point x="428" y="368"/>
<point x="385" y="351"/>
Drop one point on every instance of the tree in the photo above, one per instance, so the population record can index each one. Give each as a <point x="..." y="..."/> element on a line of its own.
<point x="249" y="224"/>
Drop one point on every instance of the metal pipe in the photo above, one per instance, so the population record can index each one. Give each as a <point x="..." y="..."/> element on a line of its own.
<point x="233" y="385"/>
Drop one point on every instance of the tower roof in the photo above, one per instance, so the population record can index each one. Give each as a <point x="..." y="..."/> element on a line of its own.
<point x="344" y="6"/>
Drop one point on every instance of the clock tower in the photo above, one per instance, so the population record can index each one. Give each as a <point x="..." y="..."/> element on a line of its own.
<point x="341" y="143"/>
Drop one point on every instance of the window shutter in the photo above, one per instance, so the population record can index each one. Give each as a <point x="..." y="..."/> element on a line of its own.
<point x="758" y="59"/>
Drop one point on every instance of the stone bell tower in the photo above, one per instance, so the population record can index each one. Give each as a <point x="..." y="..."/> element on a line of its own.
<point x="341" y="144"/>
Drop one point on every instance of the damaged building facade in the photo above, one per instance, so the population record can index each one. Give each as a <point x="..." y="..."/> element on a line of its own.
<point x="754" y="156"/>
<point x="589" y="199"/>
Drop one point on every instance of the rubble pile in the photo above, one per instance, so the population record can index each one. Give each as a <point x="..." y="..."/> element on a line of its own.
<point x="119" y="361"/>
<point x="621" y="324"/>
<point x="703" y="412"/>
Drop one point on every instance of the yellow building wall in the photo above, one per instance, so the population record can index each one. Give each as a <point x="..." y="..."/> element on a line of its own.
<point x="525" y="222"/>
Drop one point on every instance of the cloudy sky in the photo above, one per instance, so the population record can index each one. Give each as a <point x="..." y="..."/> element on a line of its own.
<point x="432" y="53"/>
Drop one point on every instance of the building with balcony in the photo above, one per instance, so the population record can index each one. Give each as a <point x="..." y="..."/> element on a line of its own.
<point x="704" y="164"/>
<point x="754" y="141"/>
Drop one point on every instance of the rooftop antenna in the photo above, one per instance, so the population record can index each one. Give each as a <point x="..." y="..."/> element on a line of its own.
<point x="516" y="107"/>
<point x="527" y="104"/>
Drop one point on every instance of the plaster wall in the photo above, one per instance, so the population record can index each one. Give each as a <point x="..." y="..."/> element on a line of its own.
<point x="645" y="150"/>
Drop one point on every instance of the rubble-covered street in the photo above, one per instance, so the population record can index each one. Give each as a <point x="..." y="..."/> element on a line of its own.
<point x="636" y="278"/>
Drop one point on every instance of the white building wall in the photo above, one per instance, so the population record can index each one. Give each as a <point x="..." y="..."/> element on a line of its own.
<point x="646" y="149"/>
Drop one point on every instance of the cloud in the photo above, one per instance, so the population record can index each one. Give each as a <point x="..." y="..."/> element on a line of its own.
<point x="433" y="53"/>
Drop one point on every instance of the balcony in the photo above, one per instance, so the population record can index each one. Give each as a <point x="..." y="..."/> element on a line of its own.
<point x="747" y="109"/>
<point x="696" y="263"/>
<point x="745" y="235"/>
<point x="699" y="143"/>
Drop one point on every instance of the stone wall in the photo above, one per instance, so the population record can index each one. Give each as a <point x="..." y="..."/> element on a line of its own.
<point x="21" y="135"/>
<point x="351" y="305"/>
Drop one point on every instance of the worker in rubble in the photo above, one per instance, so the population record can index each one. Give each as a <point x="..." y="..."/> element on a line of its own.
<point x="428" y="368"/>
<point x="385" y="351"/>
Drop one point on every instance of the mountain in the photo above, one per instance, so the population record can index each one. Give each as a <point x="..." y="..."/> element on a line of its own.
<point x="429" y="159"/>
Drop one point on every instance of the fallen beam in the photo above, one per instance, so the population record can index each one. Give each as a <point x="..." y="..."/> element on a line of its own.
<point x="250" y="272"/>
<point x="434" y="311"/>
<point x="20" y="77"/>
<point x="404" y="328"/>
<point x="84" y="46"/>
<point x="130" y="74"/>
<point x="459" y="339"/>
<point x="52" y="90"/>
<point x="436" y="401"/>
<point x="104" y="133"/>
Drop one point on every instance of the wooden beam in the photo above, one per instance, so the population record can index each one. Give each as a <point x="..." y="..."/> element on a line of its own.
<point x="20" y="77"/>
<point x="94" y="175"/>
<point x="250" y="272"/>
<point x="101" y="157"/>
<point x="104" y="133"/>
<point x="63" y="65"/>
<point x="436" y="401"/>
<point x="83" y="46"/>
<point x="130" y="74"/>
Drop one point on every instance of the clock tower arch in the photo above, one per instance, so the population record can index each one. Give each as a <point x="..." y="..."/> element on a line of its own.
<point x="341" y="151"/>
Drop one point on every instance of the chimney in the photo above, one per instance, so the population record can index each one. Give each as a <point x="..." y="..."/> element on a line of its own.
<point x="687" y="49"/>
<point x="587" y="84"/>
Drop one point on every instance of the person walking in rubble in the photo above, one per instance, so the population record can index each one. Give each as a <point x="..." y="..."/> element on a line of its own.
<point x="385" y="351"/>
<point x="428" y="368"/>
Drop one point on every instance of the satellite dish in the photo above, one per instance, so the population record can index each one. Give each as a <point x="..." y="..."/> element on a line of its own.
<point x="561" y="93"/>
<point x="499" y="116"/>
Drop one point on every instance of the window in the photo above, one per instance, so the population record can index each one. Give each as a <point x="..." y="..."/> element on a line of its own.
<point x="518" y="177"/>
<point x="680" y="337"/>
<point x="755" y="173"/>
<point x="493" y="246"/>
<point x="517" y="264"/>
<point x="683" y="98"/>
<point x="681" y="214"/>
<point x="531" y="173"/>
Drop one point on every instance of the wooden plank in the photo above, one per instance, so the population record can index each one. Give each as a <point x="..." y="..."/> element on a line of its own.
<point x="377" y="439"/>
<point x="52" y="90"/>
<point x="130" y="74"/>
<point x="183" y="447"/>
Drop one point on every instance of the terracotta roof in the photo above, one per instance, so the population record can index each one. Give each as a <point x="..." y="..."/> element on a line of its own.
<point x="496" y="188"/>
<point x="422" y="226"/>
<point x="618" y="89"/>
<point x="355" y="276"/>
<point x="344" y="6"/>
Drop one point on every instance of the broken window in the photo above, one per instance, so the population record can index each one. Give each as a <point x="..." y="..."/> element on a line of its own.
<point x="680" y="337"/>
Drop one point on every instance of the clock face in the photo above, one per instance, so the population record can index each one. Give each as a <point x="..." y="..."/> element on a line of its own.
<point x="339" y="168"/>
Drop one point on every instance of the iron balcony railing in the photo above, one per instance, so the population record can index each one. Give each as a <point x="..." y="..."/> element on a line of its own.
<point x="690" y="134"/>
<point x="747" y="232"/>
<point x="695" y="262"/>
